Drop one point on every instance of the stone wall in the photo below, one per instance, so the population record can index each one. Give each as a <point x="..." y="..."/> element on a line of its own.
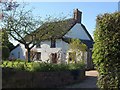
<point x="22" y="79"/>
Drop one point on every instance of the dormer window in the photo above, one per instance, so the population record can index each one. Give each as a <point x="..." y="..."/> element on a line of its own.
<point x="53" y="43"/>
<point x="38" y="45"/>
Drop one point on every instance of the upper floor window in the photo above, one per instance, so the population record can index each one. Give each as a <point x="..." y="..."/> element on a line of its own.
<point x="53" y="43"/>
<point x="38" y="45"/>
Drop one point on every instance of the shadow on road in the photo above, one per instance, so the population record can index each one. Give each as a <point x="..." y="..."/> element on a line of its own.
<point x="89" y="82"/>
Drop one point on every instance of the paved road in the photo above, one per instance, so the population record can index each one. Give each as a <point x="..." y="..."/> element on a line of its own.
<point x="89" y="82"/>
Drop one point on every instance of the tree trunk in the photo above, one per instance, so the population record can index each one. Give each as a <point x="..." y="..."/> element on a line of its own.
<point x="28" y="52"/>
<point x="28" y="55"/>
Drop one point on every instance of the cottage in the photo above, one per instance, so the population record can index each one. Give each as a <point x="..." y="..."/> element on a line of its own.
<point x="55" y="48"/>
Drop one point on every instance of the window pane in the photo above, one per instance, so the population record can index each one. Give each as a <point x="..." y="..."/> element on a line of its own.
<point x="38" y="56"/>
<point x="38" y="45"/>
<point x="53" y="43"/>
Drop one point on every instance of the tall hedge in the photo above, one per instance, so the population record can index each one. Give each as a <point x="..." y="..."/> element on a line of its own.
<point x="106" y="51"/>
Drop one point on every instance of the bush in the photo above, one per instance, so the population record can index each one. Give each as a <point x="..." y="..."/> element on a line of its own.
<point x="37" y="67"/>
<point x="20" y="66"/>
<point x="106" y="51"/>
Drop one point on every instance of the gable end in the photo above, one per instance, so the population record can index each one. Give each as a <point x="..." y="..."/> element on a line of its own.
<point x="87" y="32"/>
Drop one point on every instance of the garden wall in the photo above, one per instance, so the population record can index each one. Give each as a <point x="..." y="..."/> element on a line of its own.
<point x="22" y="79"/>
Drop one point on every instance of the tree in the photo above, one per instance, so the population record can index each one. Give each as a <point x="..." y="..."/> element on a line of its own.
<point x="22" y="26"/>
<point x="106" y="51"/>
<point x="6" y="5"/>
<point x="19" y="23"/>
<point x="77" y="48"/>
<point x="4" y="44"/>
<point x="5" y="40"/>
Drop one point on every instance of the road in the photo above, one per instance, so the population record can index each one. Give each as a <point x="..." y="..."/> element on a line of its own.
<point x="89" y="82"/>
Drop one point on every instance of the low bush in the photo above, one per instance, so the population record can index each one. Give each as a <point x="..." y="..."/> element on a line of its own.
<point x="37" y="66"/>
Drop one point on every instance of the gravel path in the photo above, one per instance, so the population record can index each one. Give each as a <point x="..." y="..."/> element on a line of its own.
<point x="89" y="82"/>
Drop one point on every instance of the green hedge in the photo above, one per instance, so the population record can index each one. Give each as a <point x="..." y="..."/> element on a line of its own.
<point x="106" y="51"/>
<point x="36" y="66"/>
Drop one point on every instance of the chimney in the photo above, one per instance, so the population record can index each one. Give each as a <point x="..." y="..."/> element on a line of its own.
<point x="77" y="16"/>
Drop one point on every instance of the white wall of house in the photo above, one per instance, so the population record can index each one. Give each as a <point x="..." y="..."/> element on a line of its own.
<point x="64" y="46"/>
<point x="77" y="32"/>
<point x="46" y="42"/>
<point x="61" y="47"/>
<point x="19" y="52"/>
<point x="46" y="51"/>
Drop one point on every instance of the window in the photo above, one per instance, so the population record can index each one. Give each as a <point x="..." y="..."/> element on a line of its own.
<point x="38" y="56"/>
<point x="38" y="45"/>
<point x="53" y="43"/>
<point x="54" y="57"/>
<point x="72" y="57"/>
<point x="18" y="54"/>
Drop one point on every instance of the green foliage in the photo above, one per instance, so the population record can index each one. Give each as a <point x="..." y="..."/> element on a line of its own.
<point x="6" y="45"/>
<point x="76" y="48"/>
<point x="36" y="66"/>
<point x="76" y="44"/>
<point x="106" y="51"/>
<point x="5" y="52"/>
<point x="72" y="57"/>
<point x="4" y="38"/>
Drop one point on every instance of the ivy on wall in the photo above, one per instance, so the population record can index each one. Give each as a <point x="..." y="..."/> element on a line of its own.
<point x="77" y="48"/>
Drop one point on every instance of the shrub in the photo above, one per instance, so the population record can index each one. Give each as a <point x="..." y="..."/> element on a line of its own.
<point x="75" y="66"/>
<point x="20" y="66"/>
<point x="37" y="67"/>
<point x="106" y="51"/>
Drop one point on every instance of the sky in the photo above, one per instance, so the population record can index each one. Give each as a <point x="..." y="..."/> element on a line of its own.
<point x="90" y="10"/>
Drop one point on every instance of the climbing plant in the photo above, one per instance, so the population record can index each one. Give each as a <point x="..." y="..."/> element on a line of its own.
<point x="106" y="51"/>
<point x="77" y="47"/>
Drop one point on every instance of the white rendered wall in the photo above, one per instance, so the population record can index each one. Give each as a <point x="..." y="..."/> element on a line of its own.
<point x="46" y="51"/>
<point x="46" y="42"/>
<point x="61" y="44"/>
<point x="20" y="49"/>
<point x="77" y="32"/>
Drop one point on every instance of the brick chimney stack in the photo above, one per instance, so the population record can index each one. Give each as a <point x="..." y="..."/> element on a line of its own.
<point x="77" y="15"/>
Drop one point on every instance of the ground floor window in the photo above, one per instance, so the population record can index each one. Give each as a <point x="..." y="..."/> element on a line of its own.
<point x="72" y="57"/>
<point x="54" y="57"/>
<point x="53" y="43"/>
<point x="38" y="56"/>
